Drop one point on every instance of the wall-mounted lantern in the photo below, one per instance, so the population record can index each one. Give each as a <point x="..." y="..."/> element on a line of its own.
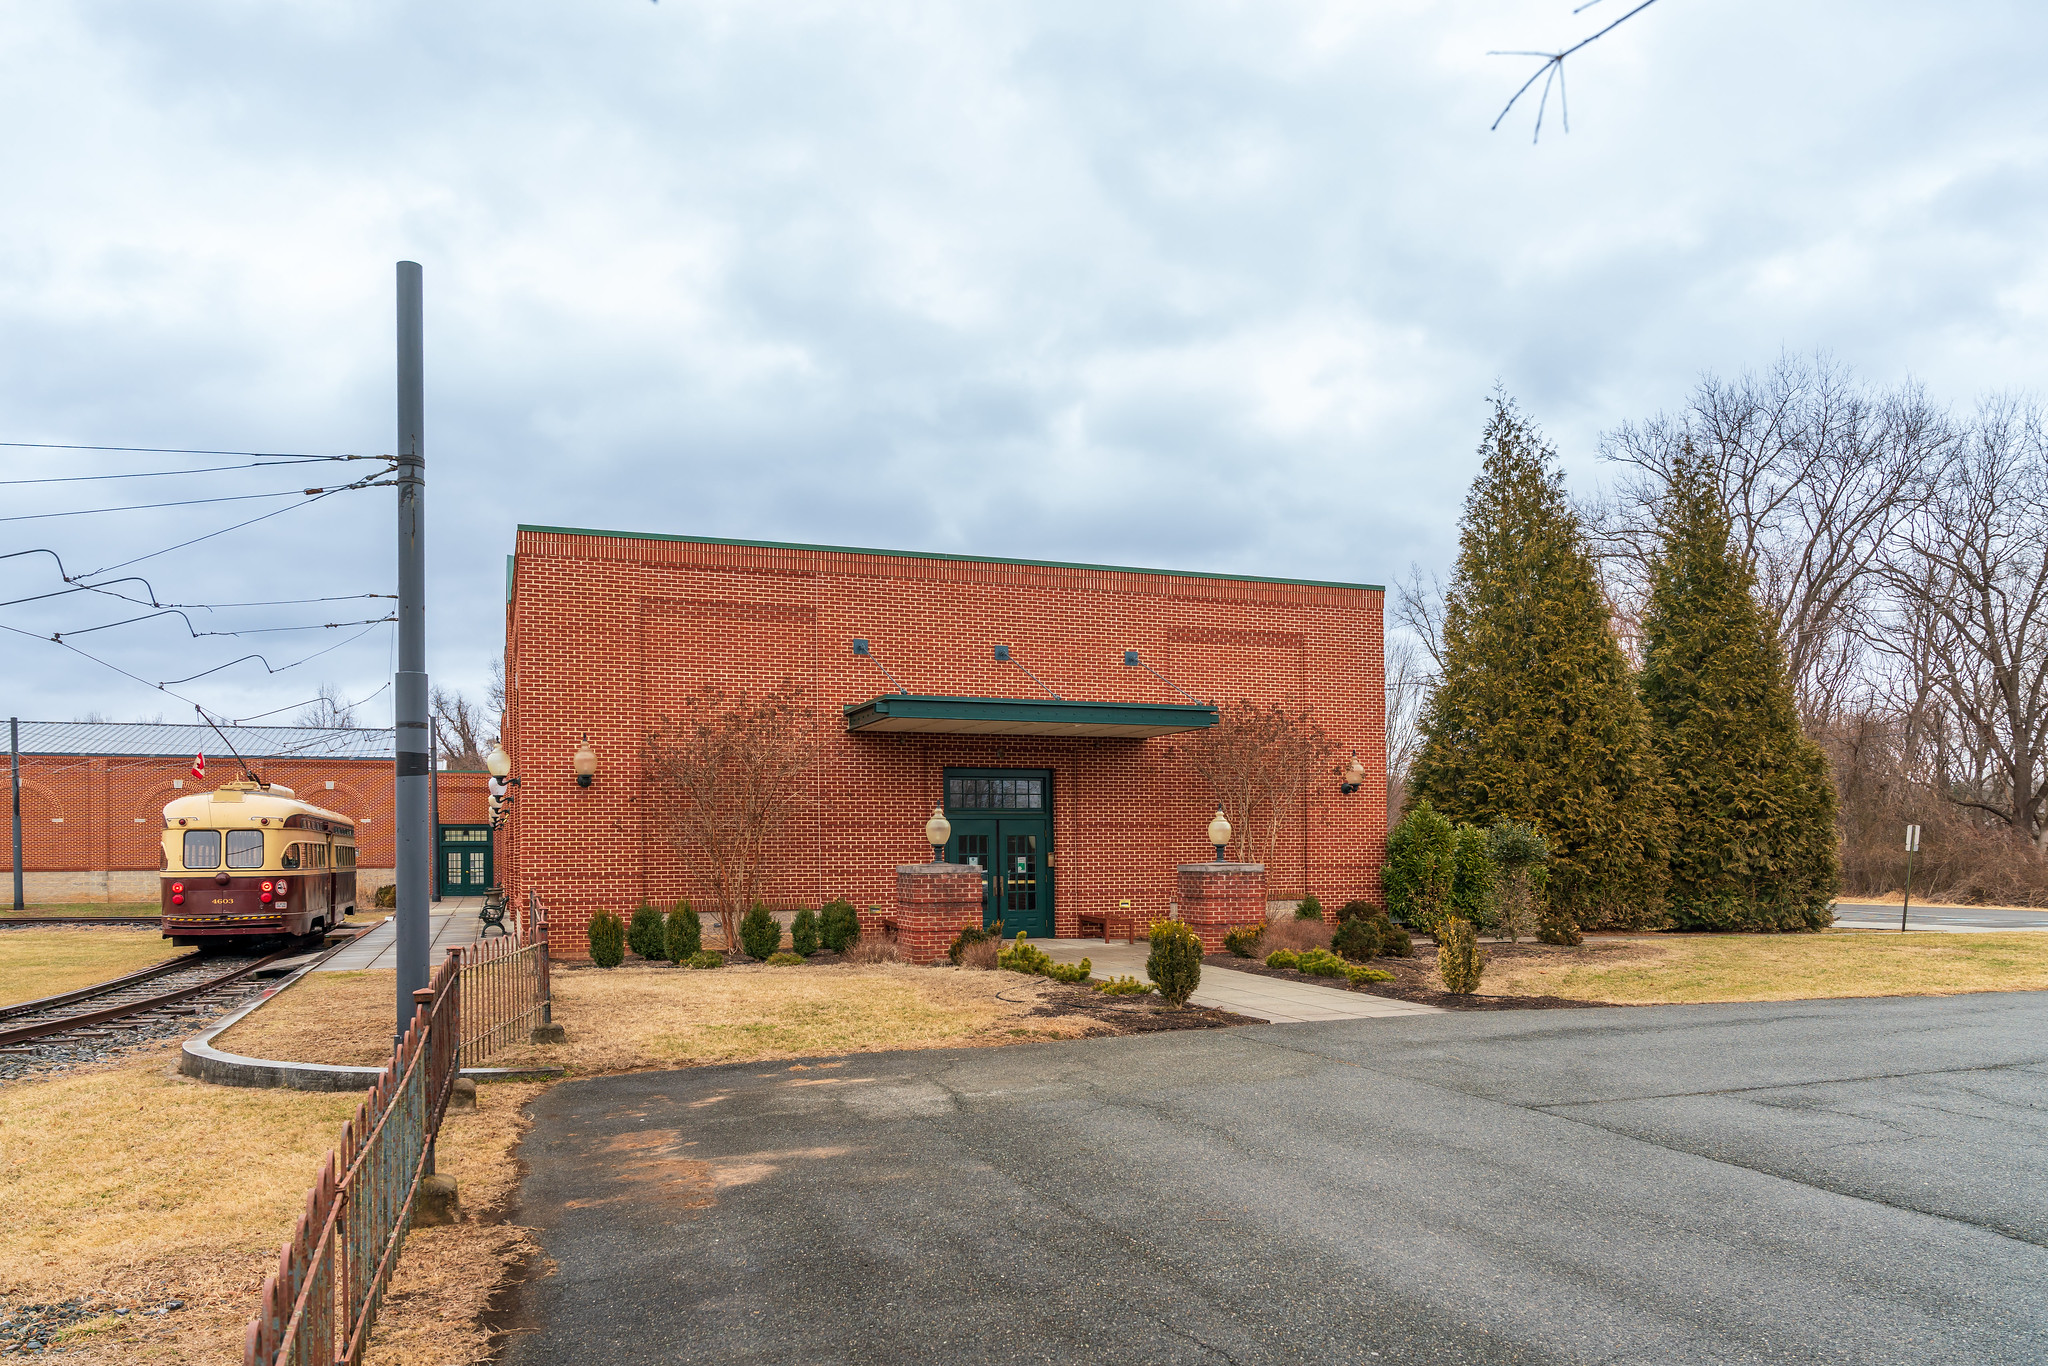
<point x="937" y="831"/>
<point x="1353" y="775"/>
<point x="586" y="764"/>
<point x="499" y="765"/>
<point x="1219" y="833"/>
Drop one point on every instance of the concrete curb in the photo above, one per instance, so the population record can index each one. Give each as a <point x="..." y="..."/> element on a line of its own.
<point x="201" y="1060"/>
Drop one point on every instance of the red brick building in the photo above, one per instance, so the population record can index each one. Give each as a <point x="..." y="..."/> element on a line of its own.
<point x="1078" y="803"/>
<point x="93" y="793"/>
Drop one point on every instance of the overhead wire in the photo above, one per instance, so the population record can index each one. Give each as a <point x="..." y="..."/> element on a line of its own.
<point x="151" y="507"/>
<point x="184" y="450"/>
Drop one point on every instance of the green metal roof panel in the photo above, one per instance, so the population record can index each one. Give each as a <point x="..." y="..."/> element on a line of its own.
<point x="904" y="713"/>
<point x="935" y="555"/>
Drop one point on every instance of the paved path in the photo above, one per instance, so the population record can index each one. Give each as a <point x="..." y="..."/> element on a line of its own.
<point x="1953" y="919"/>
<point x="1827" y="1181"/>
<point x="451" y="925"/>
<point x="1274" y="999"/>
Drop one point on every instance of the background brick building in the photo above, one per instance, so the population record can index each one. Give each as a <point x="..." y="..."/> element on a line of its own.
<point x="92" y="797"/>
<point x="609" y="632"/>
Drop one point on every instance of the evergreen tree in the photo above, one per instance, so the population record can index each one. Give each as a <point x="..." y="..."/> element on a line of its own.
<point x="1536" y="718"/>
<point x="1753" y="836"/>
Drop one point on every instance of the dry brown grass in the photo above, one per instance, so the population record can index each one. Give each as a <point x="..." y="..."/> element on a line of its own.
<point x="634" y="1017"/>
<point x="1675" y="969"/>
<point x="1296" y="935"/>
<point x="37" y="963"/>
<point x="187" y="1190"/>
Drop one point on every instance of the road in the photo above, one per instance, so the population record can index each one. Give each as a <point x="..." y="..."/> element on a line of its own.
<point x="1860" y="914"/>
<point x="1828" y="1181"/>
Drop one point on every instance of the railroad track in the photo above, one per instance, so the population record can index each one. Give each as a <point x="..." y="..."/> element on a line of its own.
<point x="43" y="921"/>
<point x="155" y="996"/>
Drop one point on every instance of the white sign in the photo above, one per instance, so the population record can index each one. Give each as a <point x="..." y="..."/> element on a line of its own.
<point x="1912" y="839"/>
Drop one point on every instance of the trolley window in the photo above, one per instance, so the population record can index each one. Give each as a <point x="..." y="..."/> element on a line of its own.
<point x="245" y="848"/>
<point x="291" y="856"/>
<point x="202" y="848"/>
<point x="344" y="856"/>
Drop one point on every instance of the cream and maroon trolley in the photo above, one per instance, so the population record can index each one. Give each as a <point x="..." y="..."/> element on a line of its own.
<point x="252" y="861"/>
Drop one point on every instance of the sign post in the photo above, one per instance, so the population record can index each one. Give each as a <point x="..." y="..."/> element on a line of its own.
<point x="1912" y="848"/>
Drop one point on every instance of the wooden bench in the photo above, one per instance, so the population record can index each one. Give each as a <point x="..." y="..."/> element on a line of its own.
<point x="1109" y="924"/>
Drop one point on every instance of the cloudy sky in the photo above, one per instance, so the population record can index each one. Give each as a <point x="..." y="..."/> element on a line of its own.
<point x="1217" y="286"/>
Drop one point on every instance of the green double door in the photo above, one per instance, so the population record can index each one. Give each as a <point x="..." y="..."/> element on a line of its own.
<point x="1002" y="824"/>
<point x="462" y="864"/>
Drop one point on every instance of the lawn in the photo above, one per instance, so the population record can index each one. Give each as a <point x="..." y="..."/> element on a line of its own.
<point x="186" y="1191"/>
<point x="37" y="963"/>
<point x="637" y="1017"/>
<point x="1666" y="969"/>
<point x="84" y="909"/>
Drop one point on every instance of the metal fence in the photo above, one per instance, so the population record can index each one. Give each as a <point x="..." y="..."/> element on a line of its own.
<point x="505" y="987"/>
<point x="321" y="1304"/>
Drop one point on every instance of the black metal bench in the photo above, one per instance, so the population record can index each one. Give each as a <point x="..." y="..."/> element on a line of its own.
<point x="493" y="914"/>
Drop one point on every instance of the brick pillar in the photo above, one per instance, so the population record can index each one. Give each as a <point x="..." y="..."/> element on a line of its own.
<point x="1218" y="897"/>
<point x="934" y="902"/>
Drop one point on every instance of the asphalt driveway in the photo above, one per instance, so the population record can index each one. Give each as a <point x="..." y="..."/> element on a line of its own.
<point x="1838" y="1181"/>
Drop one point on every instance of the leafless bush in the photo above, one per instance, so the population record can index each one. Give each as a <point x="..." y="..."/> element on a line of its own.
<point x="1296" y="935"/>
<point x="982" y="955"/>
<point x="874" y="948"/>
<point x="1257" y="761"/>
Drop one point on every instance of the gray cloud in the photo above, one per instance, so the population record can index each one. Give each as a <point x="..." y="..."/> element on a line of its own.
<point x="1207" y="285"/>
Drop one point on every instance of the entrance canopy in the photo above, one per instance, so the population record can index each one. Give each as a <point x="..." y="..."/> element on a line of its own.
<point x="899" y="712"/>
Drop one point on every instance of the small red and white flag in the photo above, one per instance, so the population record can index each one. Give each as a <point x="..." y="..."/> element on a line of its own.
<point x="199" y="765"/>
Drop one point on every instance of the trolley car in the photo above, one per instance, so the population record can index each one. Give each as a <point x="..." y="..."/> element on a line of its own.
<point x="252" y="861"/>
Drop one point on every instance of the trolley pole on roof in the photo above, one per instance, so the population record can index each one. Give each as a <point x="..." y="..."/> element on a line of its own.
<point x="411" y="739"/>
<point x="14" y="758"/>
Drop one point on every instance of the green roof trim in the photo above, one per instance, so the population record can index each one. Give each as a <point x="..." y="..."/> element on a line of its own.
<point x="935" y="555"/>
<point x="1046" y="716"/>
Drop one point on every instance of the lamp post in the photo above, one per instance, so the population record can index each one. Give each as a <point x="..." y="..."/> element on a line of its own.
<point x="1219" y="833"/>
<point x="937" y="831"/>
<point x="1912" y="848"/>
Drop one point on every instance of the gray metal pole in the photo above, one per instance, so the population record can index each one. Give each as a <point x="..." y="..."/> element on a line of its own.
<point x="414" y="762"/>
<point x="434" y="776"/>
<point x="14" y="757"/>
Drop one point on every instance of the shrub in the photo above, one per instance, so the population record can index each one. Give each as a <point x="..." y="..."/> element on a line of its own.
<point x="1023" y="957"/>
<point x="1358" y="938"/>
<point x="1473" y="892"/>
<point x="1309" y="908"/>
<point x="1352" y="910"/>
<point x="1175" y="963"/>
<point x="701" y="959"/>
<point x="760" y="932"/>
<point x="966" y="939"/>
<point x="785" y="960"/>
<point x="1125" y="986"/>
<point x="684" y="933"/>
<point x="1244" y="939"/>
<point x="1283" y="958"/>
<point x="1395" y="942"/>
<point x="803" y="933"/>
<point x="644" y="935"/>
<point x="1458" y="958"/>
<point x="1558" y="927"/>
<point x="982" y="955"/>
<point x="1321" y="963"/>
<point x="386" y="898"/>
<point x="1360" y="976"/>
<point x="1521" y="855"/>
<point x="880" y="949"/>
<point x="1420" y="866"/>
<point x="607" y="939"/>
<point x="1298" y="935"/>
<point x="838" y="925"/>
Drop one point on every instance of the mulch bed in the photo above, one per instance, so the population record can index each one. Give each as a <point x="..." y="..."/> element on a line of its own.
<point x="1133" y="1014"/>
<point x="1415" y="979"/>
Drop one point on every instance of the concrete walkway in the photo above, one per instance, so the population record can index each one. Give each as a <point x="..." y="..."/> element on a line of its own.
<point x="452" y="924"/>
<point x="1274" y="999"/>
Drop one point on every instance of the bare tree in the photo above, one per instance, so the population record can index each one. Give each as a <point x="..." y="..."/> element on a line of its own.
<point x="465" y="731"/>
<point x="1551" y="73"/>
<point x="329" y="711"/>
<point x="1410" y="681"/>
<point x="1257" y="761"/>
<point x="1969" y="572"/>
<point x="733" y="768"/>
<point x="1818" y="473"/>
<point x="1419" y="610"/>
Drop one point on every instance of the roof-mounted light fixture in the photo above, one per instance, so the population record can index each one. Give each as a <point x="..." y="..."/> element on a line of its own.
<point x="1002" y="655"/>
<point x="860" y="647"/>
<point x="1131" y="661"/>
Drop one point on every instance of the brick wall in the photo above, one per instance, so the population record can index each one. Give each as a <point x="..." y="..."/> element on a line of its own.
<point x="92" y="826"/>
<point x="607" y="634"/>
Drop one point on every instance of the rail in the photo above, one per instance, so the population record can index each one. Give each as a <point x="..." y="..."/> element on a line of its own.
<point x="320" y="1305"/>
